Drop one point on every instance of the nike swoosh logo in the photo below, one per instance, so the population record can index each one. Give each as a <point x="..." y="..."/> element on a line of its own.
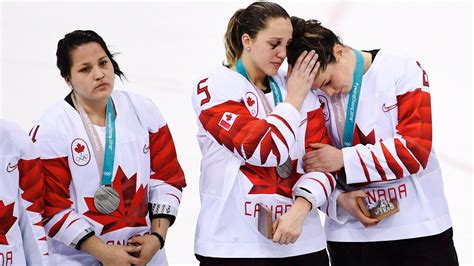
<point x="11" y="168"/>
<point x="304" y="121"/>
<point x="146" y="149"/>
<point x="388" y="108"/>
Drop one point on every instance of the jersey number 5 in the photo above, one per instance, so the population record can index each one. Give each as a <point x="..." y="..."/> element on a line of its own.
<point x="201" y="87"/>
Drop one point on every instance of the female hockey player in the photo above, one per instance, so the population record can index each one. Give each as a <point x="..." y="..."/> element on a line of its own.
<point x="253" y="133"/>
<point x="377" y="110"/>
<point x="113" y="181"/>
<point x="22" y="236"/>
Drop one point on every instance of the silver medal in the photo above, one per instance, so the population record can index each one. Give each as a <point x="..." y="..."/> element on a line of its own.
<point x="106" y="200"/>
<point x="284" y="170"/>
<point x="384" y="208"/>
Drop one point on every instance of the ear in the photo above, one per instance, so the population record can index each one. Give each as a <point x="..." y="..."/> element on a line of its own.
<point x="338" y="51"/>
<point x="245" y="40"/>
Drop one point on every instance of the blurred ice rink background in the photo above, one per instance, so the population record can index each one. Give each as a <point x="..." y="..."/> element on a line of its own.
<point x="166" y="46"/>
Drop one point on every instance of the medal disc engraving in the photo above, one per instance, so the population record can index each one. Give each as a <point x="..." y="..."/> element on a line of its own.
<point x="284" y="170"/>
<point x="106" y="200"/>
<point x="379" y="210"/>
<point x="384" y="208"/>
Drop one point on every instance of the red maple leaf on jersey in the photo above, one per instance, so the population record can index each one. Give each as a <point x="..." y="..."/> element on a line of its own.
<point x="250" y="102"/>
<point x="228" y="117"/>
<point x="79" y="148"/>
<point x="7" y="220"/>
<point x="133" y="207"/>
<point x="265" y="180"/>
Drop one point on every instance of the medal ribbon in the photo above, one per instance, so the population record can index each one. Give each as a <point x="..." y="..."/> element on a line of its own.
<point x="352" y="104"/>
<point x="105" y="161"/>
<point x="277" y="97"/>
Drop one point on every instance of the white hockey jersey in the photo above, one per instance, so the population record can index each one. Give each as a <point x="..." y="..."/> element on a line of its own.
<point x="391" y="156"/>
<point x="146" y="171"/>
<point x="241" y="147"/>
<point x="22" y="236"/>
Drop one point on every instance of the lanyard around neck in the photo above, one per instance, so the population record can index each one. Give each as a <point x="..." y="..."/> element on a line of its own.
<point x="352" y="104"/>
<point x="105" y="161"/>
<point x="277" y="97"/>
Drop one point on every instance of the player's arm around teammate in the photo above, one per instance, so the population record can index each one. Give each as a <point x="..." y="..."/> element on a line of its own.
<point x="378" y="112"/>
<point x="251" y="131"/>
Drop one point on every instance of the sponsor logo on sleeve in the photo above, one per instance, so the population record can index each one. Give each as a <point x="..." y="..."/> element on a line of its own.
<point x="386" y="108"/>
<point x="251" y="101"/>
<point x="146" y="149"/>
<point x="11" y="167"/>
<point x="227" y="120"/>
<point x="80" y="152"/>
<point x="303" y="121"/>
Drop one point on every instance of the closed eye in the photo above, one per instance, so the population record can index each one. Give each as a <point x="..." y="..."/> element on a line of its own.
<point x="325" y="83"/>
<point x="275" y="44"/>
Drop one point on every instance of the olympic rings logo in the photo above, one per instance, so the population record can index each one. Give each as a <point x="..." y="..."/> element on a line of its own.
<point x="82" y="157"/>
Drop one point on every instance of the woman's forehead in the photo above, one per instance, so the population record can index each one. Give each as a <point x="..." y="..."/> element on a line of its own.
<point x="86" y="52"/>
<point x="279" y="28"/>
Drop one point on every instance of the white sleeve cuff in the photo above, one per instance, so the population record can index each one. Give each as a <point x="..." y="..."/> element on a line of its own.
<point x="352" y="166"/>
<point x="339" y="215"/>
<point x="75" y="232"/>
<point x="319" y="185"/>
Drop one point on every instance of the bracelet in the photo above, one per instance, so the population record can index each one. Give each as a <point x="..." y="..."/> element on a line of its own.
<point x="160" y="238"/>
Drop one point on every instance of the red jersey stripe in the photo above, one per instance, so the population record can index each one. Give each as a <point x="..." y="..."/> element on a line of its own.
<point x="379" y="167"/>
<point x="331" y="181"/>
<point x="408" y="160"/>
<point x="391" y="162"/>
<point x="284" y="122"/>
<point x="322" y="185"/>
<point x="57" y="226"/>
<point x="364" y="167"/>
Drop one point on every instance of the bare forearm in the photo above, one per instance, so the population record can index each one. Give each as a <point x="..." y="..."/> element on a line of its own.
<point x="93" y="246"/>
<point x="160" y="225"/>
<point x="302" y="206"/>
